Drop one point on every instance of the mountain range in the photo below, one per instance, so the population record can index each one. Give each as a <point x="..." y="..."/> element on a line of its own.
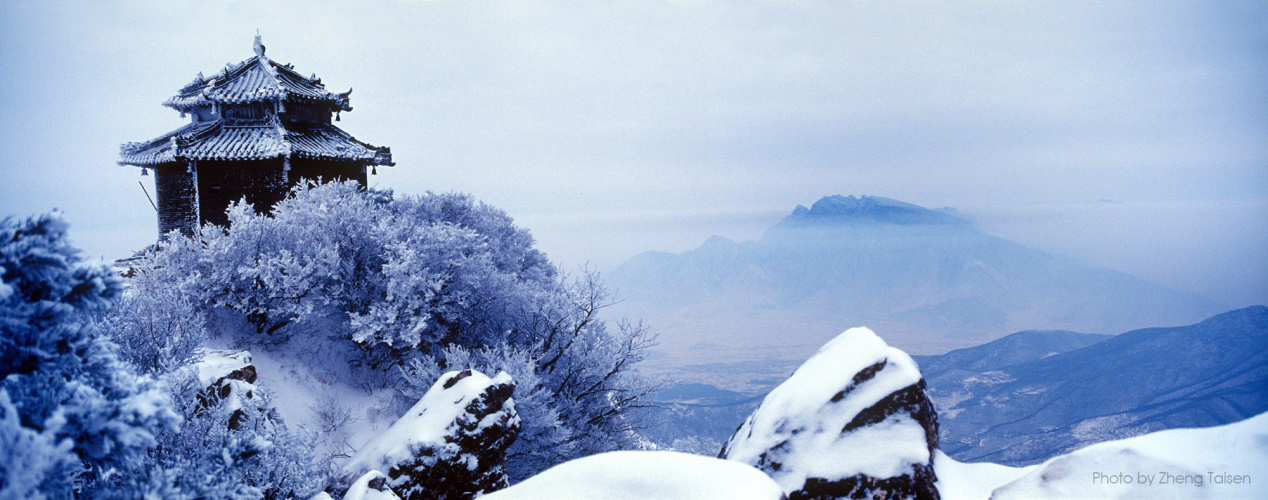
<point x="927" y="280"/>
<point x="1032" y="395"/>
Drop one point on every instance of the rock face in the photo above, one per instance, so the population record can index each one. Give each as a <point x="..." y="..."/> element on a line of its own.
<point x="852" y="422"/>
<point x="451" y="444"/>
<point x="228" y="380"/>
<point x="371" y="486"/>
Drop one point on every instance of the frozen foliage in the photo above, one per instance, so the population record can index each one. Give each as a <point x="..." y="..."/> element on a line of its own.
<point x="157" y="331"/>
<point x="451" y="443"/>
<point x="410" y="288"/>
<point x="646" y="475"/>
<point x="32" y="459"/>
<point x="573" y="391"/>
<point x="1217" y="462"/>
<point x="853" y="420"/>
<point x="62" y="384"/>
<point x="236" y="447"/>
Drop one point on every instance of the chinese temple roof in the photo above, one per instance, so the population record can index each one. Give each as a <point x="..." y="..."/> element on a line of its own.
<point x="253" y="80"/>
<point x="223" y="140"/>
<point x="261" y="134"/>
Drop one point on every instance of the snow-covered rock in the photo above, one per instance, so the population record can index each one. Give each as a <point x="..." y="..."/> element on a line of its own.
<point x="852" y="421"/>
<point x="1228" y="461"/>
<point x="228" y="380"/>
<point x="645" y="475"/>
<point x="451" y="443"/>
<point x="371" y="486"/>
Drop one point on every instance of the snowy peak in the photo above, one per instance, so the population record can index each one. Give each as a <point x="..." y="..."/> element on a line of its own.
<point x="837" y="209"/>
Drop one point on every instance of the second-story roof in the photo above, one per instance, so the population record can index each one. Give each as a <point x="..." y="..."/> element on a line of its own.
<point x="257" y="79"/>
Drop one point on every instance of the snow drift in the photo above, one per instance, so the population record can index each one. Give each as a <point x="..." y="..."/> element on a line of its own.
<point x="646" y="474"/>
<point x="1218" y="462"/>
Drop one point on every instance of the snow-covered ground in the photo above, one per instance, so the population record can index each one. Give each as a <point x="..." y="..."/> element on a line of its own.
<point x="972" y="481"/>
<point x="1229" y="461"/>
<point x="315" y="390"/>
<point x="645" y="475"/>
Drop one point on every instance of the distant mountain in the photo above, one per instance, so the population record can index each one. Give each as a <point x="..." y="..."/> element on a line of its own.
<point x="928" y="280"/>
<point x="1014" y="349"/>
<point x="1014" y="402"/>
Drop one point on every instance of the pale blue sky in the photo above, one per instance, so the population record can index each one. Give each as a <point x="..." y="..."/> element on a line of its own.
<point x="610" y="128"/>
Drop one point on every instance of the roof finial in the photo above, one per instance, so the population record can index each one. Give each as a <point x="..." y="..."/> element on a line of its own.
<point x="259" y="45"/>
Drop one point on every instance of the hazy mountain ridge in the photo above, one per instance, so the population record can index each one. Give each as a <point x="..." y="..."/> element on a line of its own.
<point x="930" y="279"/>
<point x="838" y="209"/>
<point x="1013" y="349"/>
<point x="1210" y="373"/>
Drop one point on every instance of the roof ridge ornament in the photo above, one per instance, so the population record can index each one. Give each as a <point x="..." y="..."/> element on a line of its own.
<point x="258" y="46"/>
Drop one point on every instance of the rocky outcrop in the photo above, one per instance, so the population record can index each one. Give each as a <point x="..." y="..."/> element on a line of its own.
<point x="370" y="486"/>
<point x="451" y="444"/>
<point x="852" y="422"/>
<point x="228" y="381"/>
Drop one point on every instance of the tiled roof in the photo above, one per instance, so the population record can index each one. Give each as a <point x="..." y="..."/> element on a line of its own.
<point x="223" y="140"/>
<point x="252" y="80"/>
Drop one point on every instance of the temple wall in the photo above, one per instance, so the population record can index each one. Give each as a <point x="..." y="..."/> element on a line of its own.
<point x="174" y="188"/>
<point x="326" y="171"/>
<point x="223" y="182"/>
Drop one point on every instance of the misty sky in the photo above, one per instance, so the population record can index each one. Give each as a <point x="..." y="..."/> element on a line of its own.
<point x="1132" y="135"/>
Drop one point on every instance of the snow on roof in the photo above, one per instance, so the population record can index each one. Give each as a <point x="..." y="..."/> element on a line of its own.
<point x="805" y="416"/>
<point x="1176" y="463"/>
<point x="645" y="474"/>
<point x="221" y="140"/>
<point x="426" y="424"/>
<point x="256" y="79"/>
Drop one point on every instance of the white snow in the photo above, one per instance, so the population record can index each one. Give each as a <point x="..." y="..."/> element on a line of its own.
<point x="972" y="481"/>
<point x="800" y="414"/>
<point x="304" y="377"/>
<point x="361" y="489"/>
<point x="217" y="363"/>
<point x="645" y="475"/>
<point x="427" y="423"/>
<point x="1177" y="463"/>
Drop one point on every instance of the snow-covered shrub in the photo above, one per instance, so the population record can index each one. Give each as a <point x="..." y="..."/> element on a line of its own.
<point x="236" y="451"/>
<point x="574" y="392"/>
<point x="404" y="284"/>
<point x="157" y="331"/>
<point x="59" y="376"/>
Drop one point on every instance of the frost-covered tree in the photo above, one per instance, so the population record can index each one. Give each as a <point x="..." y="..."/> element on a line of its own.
<point x="70" y="408"/>
<point x="221" y="453"/>
<point x="575" y="393"/>
<point x="235" y="447"/>
<point x="157" y="331"/>
<point x="416" y="286"/>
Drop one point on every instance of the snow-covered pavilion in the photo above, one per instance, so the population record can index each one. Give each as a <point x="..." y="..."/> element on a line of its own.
<point x="256" y="129"/>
